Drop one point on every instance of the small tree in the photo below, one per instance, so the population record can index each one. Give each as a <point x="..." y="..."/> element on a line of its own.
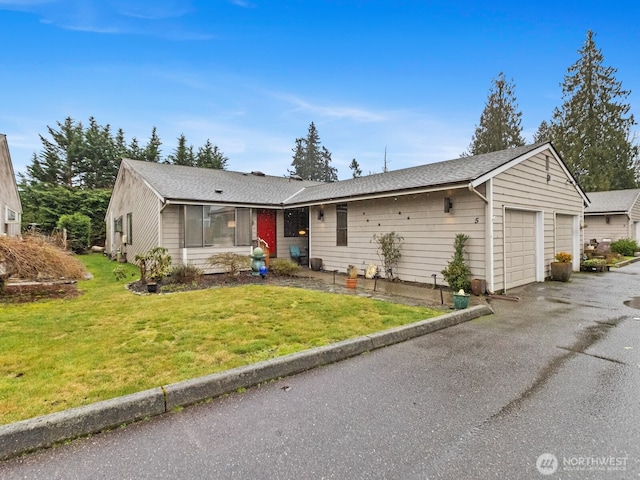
<point x="155" y="264"/>
<point x="388" y="251"/>
<point x="78" y="227"/>
<point x="458" y="272"/>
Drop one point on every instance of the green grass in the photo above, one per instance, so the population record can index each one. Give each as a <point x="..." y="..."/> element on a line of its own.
<point x="58" y="354"/>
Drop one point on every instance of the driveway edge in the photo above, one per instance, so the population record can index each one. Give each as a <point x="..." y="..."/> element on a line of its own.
<point x="47" y="430"/>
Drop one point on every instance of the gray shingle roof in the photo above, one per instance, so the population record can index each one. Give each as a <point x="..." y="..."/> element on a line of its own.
<point x="175" y="182"/>
<point x="450" y="172"/>
<point x="612" y="201"/>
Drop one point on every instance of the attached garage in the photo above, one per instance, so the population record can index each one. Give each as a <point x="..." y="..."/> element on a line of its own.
<point x="520" y="242"/>
<point x="564" y="233"/>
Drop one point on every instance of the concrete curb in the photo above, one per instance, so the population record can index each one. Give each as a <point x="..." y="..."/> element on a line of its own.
<point x="45" y="431"/>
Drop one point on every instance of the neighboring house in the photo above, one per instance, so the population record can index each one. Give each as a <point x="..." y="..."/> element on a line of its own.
<point x="519" y="207"/>
<point x="10" y="206"/>
<point x="612" y="215"/>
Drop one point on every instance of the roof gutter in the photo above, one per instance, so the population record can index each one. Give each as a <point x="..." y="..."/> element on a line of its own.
<point x="373" y="196"/>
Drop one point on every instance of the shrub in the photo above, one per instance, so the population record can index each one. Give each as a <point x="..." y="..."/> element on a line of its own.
<point x="78" y="227"/>
<point x="232" y="263"/>
<point x="594" y="262"/>
<point x="34" y="258"/>
<point x="625" y="246"/>
<point x="458" y="272"/>
<point x="564" y="257"/>
<point x="155" y="264"/>
<point x="388" y="251"/>
<point x="186" y="273"/>
<point x="283" y="267"/>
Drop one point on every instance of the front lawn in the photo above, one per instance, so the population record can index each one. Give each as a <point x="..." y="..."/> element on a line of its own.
<point x="58" y="354"/>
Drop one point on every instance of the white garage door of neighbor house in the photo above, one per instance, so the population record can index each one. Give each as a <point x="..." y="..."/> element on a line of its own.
<point x="520" y="229"/>
<point x="564" y="234"/>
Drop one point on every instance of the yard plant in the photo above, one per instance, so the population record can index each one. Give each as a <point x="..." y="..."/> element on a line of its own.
<point x="458" y="272"/>
<point x="108" y="342"/>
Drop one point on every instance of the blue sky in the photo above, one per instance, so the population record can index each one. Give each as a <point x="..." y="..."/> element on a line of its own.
<point x="251" y="75"/>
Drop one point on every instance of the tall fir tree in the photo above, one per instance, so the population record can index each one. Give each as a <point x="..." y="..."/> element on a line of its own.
<point x="210" y="156"/>
<point x="151" y="152"/>
<point x="356" y="171"/>
<point x="312" y="161"/>
<point x="592" y="128"/>
<point x="100" y="163"/>
<point x="135" y="151"/>
<point x="543" y="134"/>
<point x="59" y="163"/>
<point x="499" y="126"/>
<point x="183" y="154"/>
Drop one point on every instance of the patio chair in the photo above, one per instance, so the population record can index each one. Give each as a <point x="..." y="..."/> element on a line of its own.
<point x="296" y="255"/>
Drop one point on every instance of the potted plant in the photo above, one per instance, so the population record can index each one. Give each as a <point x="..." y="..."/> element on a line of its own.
<point x="458" y="272"/>
<point x="352" y="276"/>
<point x="561" y="269"/>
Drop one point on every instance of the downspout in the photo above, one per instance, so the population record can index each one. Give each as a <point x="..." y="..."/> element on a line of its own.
<point x="504" y="249"/>
<point x="488" y="235"/>
<point x="555" y="235"/>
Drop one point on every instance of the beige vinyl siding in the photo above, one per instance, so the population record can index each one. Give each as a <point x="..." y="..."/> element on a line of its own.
<point x="428" y="233"/>
<point x="564" y="233"/>
<point x="132" y="195"/>
<point x="9" y="197"/>
<point x="525" y="186"/>
<point x="596" y="226"/>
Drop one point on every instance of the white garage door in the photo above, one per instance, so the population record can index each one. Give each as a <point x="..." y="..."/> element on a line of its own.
<point x="521" y="247"/>
<point x="564" y="234"/>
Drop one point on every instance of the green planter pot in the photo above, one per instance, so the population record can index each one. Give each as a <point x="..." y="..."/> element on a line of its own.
<point x="460" y="301"/>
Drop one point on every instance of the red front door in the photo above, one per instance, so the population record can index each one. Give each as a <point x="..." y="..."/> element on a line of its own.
<point x="267" y="229"/>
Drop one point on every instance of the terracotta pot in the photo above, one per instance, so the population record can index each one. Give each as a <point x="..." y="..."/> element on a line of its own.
<point x="478" y="286"/>
<point x="351" y="282"/>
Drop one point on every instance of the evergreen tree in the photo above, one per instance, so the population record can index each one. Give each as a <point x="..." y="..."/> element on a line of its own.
<point x="543" y="134"/>
<point x="329" y="173"/>
<point x="60" y="161"/>
<point x="135" y="152"/>
<point x="151" y="152"/>
<point x="210" y="156"/>
<point x="499" y="127"/>
<point x="182" y="155"/>
<point x="355" y="169"/>
<point x="121" y="150"/>
<point x="99" y="166"/>
<point x="592" y="128"/>
<point x="312" y="161"/>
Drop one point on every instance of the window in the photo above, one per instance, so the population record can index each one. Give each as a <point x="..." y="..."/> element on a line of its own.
<point x="341" y="225"/>
<point x="296" y="222"/>
<point x="130" y="228"/>
<point x="210" y="225"/>
<point x="117" y="225"/>
<point x="11" y="216"/>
